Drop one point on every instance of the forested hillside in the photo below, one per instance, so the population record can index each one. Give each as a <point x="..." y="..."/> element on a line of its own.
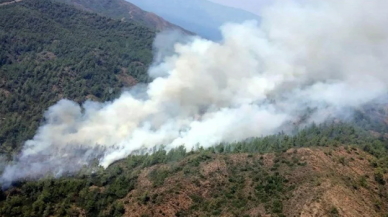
<point x="50" y="51"/>
<point x="334" y="169"/>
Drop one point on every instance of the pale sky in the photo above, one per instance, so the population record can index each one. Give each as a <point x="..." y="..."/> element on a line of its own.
<point x="252" y="6"/>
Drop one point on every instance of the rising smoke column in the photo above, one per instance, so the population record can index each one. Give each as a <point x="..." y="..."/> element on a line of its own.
<point x="322" y="55"/>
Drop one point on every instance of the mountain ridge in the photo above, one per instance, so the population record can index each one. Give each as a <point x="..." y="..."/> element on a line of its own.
<point x="124" y="11"/>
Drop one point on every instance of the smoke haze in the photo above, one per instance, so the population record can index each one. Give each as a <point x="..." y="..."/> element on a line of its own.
<point x="322" y="56"/>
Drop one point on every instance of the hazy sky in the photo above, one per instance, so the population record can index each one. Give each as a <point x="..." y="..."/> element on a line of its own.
<point x="252" y="6"/>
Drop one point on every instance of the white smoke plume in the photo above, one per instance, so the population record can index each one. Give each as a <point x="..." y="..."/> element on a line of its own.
<point x="326" y="56"/>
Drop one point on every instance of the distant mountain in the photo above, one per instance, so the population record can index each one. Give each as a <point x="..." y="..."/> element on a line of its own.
<point x="253" y="6"/>
<point x="199" y="16"/>
<point x="123" y="10"/>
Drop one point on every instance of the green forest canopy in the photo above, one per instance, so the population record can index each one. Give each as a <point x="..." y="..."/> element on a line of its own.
<point x="50" y="51"/>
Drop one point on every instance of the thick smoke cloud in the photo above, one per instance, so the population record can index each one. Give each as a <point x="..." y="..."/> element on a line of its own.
<point x="324" y="57"/>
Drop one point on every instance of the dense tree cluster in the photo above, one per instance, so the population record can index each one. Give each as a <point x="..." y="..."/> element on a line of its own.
<point x="50" y="51"/>
<point x="95" y="193"/>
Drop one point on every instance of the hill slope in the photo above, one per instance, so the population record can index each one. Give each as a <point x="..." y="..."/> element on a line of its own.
<point x="299" y="182"/>
<point x="199" y="16"/>
<point x="313" y="173"/>
<point x="120" y="9"/>
<point x="50" y="51"/>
